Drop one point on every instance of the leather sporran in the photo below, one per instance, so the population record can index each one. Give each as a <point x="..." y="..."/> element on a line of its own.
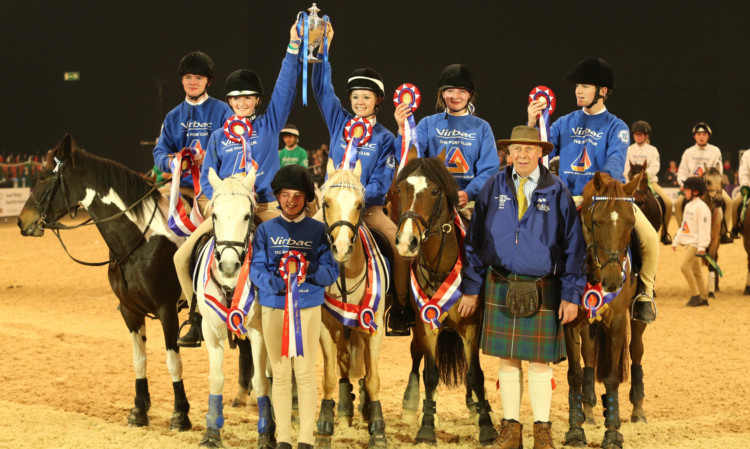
<point x="522" y="298"/>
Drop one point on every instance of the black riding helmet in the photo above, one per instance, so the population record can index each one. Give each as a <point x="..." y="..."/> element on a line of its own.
<point x="456" y="75"/>
<point x="594" y="71"/>
<point x="695" y="183"/>
<point x="367" y="79"/>
<point x="294" y="177"/>
<point x="243" y="82"/>
<point x="641" y="126"/>
<point x="197" y="63"/>
<point x="702" y="127"/>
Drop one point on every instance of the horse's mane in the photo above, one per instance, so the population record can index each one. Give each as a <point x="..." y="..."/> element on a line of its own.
<point x="104" y="174"/>
<point x="434" y="170"/>
<point x="611" y="189"/>
<point x="344" y="178"/>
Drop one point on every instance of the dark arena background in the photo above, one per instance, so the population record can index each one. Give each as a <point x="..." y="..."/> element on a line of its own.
<point x="676" y="63"/>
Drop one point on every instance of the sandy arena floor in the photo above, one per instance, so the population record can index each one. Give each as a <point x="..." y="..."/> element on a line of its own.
<point x="66" y="376"/>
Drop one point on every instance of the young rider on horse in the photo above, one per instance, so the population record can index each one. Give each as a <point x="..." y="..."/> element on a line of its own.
<point x="291" y="310"/>
<point x="471" y="155"/>
<point x="366" y="92"/>
<point x="528" y="198"/>
<point x="191" y="123"/>
<point x="642" y="152"/>
<point x="744" y="175"/>
<point x="244" y="91"/>
<point x="599" y="143"/>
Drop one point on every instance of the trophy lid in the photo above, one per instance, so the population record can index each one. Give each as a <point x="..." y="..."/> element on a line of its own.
<point x="313" y="10"/>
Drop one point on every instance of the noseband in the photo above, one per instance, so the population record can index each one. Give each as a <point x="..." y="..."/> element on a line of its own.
<point x="348" y="224"/>
<point x="616" y="257"/>
<point x="234" y="244"/>
<point x="44" y="204"/>
<point x="426" y="224"/>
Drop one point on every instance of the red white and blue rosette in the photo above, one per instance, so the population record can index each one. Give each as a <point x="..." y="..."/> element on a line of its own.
<point x="181" y="165"/>
<point x="593" y="301"/>
<point x="357" y="132"/>
<point x="240" y="130"/>
<point x="292" y="266"/>
<point x="544" y="93"/>
<point x="408" y="94"/>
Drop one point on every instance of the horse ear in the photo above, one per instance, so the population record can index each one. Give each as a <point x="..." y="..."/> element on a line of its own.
<point x="358" y="169"/>
<point x="598" y="182"/>
<point x="633" y="184"/>
<point x="412" y="154"/>
<point x="331" y="169"/>
<point x="213" y="178"/>
<point x="249" y="180"/>
<point x="441" y="156"/>
<point x="66" y="147"/>
<point x="645" y="165"/>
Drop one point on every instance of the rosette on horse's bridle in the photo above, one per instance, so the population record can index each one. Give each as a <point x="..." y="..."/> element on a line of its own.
<point x="180" y="165"/>
<point x="408" y="94"/>
<point x="303" y="29"/>
<point x="361" y="315"/>
<point x="242" y="298"/>
<point x="548" y="96"/>
<point x="357" y="132"/>
<point x="433" y="310"/>
<point x="291" y="267"/>
<point x="239" y="130"/>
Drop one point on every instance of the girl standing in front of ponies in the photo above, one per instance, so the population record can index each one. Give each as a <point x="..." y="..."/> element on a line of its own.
<point x="377" y="156"/>
<point x="468" y="142"/>
<point x="291" y="295"/>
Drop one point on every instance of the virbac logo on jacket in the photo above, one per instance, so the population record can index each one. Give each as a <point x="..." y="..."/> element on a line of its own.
<point x="290" y="242"/>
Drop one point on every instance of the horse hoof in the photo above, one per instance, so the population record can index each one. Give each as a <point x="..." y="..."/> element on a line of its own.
<point x="426" y="435"/>
<point x="378" y="441"/>
<point x="576" y="437"/>
<point x="612" y="440"/>
<point x="638" y="419"/>
<point x="266" y="441"/>
<point x="137" y="418"/>
<point x="180" y="421"/>
<point x="346" y="421"/>
<point x="241" y="399"/>
<point x="211" y="438"/>
<point x="588" y="412"/>
<point x="487" y="435"/>
<point x="323" y="441"/>
<point x="409" y="416"/>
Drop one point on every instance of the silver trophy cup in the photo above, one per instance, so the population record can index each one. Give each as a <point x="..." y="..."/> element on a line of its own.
<point x="316" y="28"/>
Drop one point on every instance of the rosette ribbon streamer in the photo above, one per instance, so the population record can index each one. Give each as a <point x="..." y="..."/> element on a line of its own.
<point x="240" y="130"/>
<point x="242" y="298"/>
<point x="595" y="301"/>
<point x="357" y="132"/>
<point x="303" y="25"/>
<point x="291" y="267"/>
<point x="182" y="165"/>
<point x="408" y="94"/>
<point x="548" y="96"/>
<point x="433" y="310"/>
<point x="362" y="315"/>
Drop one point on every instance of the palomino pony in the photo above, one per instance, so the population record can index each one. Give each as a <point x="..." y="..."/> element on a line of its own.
<point x="608" y="218"/>
<point x="431" y="233"/>
<point x="226" y="299"/>
<point x="130" y="215"/>
<point x="354" y="304"/>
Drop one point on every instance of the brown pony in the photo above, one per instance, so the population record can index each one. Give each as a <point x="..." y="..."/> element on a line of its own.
<point x="427" y="232"/>
<point x="646" y="200"/>
<point x="714" y="199"/>
<point x="608" y="219"/>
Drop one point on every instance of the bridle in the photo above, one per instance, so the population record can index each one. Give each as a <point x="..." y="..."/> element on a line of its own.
<point x="58" y="182"/>
<point x="234" y="244"/>
<point x="354" y="227"/>
<point x="617" y="257"/>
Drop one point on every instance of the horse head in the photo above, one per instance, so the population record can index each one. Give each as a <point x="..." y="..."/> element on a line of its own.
<point x="233" y="206"/>
<point x="343" y="209"/>
<point x="714" y="183"/>
<point x="52" y="197"/>
<point x="642" y="189"/>
<point x="427" y="195"/>
<point x="608" y="218"/>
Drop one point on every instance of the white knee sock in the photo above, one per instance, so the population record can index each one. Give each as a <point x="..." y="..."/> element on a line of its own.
<point x="540" y="394"/>
<point x="510" y="393"/>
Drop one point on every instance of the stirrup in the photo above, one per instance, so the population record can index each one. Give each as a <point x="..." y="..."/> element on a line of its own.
<point x="635" y="301"/>
<point x="190" y="339"/>
<point x="390" y="331"/>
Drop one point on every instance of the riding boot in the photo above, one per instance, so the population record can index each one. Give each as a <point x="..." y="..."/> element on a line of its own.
<point x="543" y="435"/>
<point x="666" y="239"/>
<point x="399" y="319"/>
<point x="194" y="336"/>
<point x="726" y="238"/>
<point x="644" y="309"/>
<point x="737" y="230"/>
<point x="511" y="436"/>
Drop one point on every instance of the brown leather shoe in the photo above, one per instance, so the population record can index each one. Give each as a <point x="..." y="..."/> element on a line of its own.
<point x="510" y="435"/>
<point x="543" y="435"/>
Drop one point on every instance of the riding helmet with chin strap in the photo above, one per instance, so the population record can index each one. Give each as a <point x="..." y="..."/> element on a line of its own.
<point x="243" y="82"/>
<point x="641" y="126"/>
<point x="367" y="79"/>
<point x="702" y="127"/>
<point x="695" y="183"/>
<point x="294" y="177"/>
<point x="197" y="63"/>
<point x="456" y="76"/>
<point x="594" y="71"/>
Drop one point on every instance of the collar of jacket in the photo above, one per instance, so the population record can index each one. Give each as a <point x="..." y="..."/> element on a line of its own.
<point x="545" y="178"/>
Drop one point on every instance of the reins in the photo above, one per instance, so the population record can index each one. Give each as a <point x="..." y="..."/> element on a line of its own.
<point x="616" y="257"/>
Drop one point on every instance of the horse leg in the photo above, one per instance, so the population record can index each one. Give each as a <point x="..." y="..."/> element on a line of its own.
<point x="214" y="339"/>
<point x="346" y="389"/>
<point x="410" y="404"/>
<point x="246" y="370"/>
<point x="138" y="416"/>
<point x="376" y="423"/>
<point x="575" y="436"/>
<point x="587" y="333"/>
<point x="475" y="379"/>
<point x="637" y="328"/>
<point x="746" y="244"/>
<point x="327" y="405"/>
<point x="169" y="322"/>
<point x="259" y="379"/>
<point x="613" y="374"/>
<point x="429" y="422"/>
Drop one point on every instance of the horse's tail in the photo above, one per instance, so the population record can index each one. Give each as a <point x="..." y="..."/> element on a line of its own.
<point x="356" y="355"/>
<point x="451" y="361"/>
<point x="604" y="364"/>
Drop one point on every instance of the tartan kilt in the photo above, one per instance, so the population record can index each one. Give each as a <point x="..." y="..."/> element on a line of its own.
<point x="537" y="338"/>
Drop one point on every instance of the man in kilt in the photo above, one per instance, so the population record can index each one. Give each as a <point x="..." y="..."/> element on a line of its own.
<point x="526" y="239"/>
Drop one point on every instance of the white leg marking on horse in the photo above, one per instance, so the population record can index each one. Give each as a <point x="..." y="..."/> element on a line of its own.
<point x="614" y="217"/>
<point x="139" y="352"/>
<point x="174" y="365"/>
